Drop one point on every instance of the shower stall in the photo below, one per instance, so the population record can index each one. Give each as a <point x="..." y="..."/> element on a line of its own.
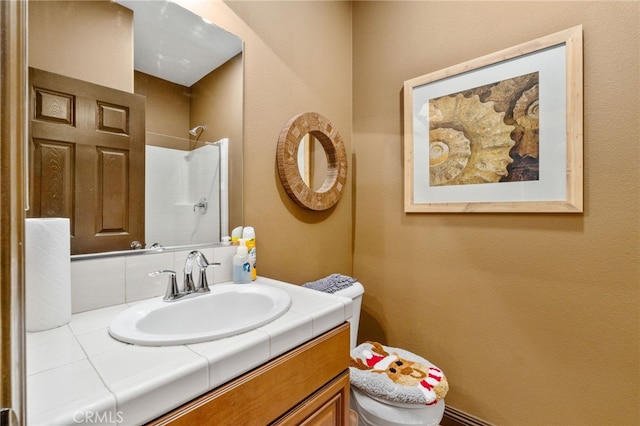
<point x="187" y="200"/>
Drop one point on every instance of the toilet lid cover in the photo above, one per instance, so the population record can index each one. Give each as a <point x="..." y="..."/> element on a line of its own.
<point x="396" y="375"/>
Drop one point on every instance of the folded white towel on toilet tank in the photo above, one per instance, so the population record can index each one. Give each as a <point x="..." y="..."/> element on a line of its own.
<point x="395" y="375"/>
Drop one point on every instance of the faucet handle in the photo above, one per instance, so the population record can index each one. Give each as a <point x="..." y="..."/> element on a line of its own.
<point x="171" y="293"/>
<point x="203" y="285"/>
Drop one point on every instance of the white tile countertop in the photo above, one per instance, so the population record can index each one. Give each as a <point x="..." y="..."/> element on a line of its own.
<point x="79" y="374"/>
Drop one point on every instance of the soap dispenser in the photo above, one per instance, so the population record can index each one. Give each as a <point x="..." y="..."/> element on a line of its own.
<point x="249" y="235"/>
<point x="241" y="264"/>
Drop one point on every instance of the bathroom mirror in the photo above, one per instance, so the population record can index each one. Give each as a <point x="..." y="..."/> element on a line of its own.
<point x="312" y="162"/>
<point x="296" y="138"/>
<point x="182" y="49"/>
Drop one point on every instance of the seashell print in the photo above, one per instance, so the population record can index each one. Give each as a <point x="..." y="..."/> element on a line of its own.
<point x="504" y="93"/>
<point x="469" y="141"/>
<point x="449" y="152"/>
<point x="507" y="94"/>
<point x="526" y="114"/>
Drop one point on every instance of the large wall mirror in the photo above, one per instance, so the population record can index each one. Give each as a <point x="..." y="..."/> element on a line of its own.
<point x="190" y="73"/>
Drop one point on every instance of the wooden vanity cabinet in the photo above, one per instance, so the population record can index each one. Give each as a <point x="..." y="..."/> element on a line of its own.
<point x="327" y="407"/>
<point x="308" y="385"/>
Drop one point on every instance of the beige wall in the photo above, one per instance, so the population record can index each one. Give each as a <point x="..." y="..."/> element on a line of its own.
<point x="71" y="27"/>
<point x="216" y="101"/>
<point x="297" y="59"/>
<point x="167" y="111"/>
<point x="533" y="317"/>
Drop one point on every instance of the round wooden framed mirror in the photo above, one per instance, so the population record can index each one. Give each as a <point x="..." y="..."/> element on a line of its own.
<point x="323" y="130"/>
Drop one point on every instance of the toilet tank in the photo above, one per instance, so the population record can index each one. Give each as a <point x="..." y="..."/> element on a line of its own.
<point x="353" y="292"/>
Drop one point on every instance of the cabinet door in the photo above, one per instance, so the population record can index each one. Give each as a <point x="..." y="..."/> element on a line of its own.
<point x="329" y="406"/>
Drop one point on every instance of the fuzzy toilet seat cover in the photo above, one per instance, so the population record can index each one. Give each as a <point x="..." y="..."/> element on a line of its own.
<point x="395" y="375"/>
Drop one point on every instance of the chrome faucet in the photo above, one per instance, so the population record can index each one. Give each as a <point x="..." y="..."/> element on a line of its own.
<point x="203" y="264"/>
<point x="188" y="287"/>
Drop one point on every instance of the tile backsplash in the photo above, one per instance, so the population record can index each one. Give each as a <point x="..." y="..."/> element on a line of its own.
<point x="101" y="282"/>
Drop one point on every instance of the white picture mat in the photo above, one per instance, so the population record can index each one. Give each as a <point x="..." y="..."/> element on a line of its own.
<point x="550" y="63"/>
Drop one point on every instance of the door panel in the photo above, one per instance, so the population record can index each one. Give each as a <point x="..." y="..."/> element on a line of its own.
<point x="113" y="191"/>
<point x="54" y="162"/>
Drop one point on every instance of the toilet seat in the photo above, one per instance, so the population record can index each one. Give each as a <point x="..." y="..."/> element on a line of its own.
<point x="374" y="412"/>
<point x="396" y="375"/>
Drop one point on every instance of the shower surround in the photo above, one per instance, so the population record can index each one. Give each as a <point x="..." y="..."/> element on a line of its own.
<point x="176" y="181"/>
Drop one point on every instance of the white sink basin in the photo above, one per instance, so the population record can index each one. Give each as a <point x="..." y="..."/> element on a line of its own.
<point x="227" y="310"/>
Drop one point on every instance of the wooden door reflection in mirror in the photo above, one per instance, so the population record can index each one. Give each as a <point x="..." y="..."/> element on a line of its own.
<point x="87" y="160"/>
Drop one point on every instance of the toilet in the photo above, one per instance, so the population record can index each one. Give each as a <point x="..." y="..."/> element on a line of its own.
<point x="376" y="412"/>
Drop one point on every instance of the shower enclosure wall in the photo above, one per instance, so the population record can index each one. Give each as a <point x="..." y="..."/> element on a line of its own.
<point x="186" y="194"/>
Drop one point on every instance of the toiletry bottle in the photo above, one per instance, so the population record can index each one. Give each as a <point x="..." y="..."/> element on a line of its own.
<point x="249" y="235"/>
<point x="241" y="265"/>
<point x="236" y="234"/>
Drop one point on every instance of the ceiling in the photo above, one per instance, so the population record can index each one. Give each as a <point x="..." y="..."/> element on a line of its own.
<point x="174" y="44"/>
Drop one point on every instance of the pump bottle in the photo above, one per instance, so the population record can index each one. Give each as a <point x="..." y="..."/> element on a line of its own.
<point x="241" y="264"/>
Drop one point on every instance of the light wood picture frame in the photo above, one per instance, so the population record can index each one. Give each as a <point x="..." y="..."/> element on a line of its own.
<point x="500" y="133"/>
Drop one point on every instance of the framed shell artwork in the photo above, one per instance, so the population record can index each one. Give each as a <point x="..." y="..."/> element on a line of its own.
<point x="500" y="133"/>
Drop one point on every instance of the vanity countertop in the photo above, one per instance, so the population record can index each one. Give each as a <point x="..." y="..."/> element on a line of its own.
<point x="79" y="374"/>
